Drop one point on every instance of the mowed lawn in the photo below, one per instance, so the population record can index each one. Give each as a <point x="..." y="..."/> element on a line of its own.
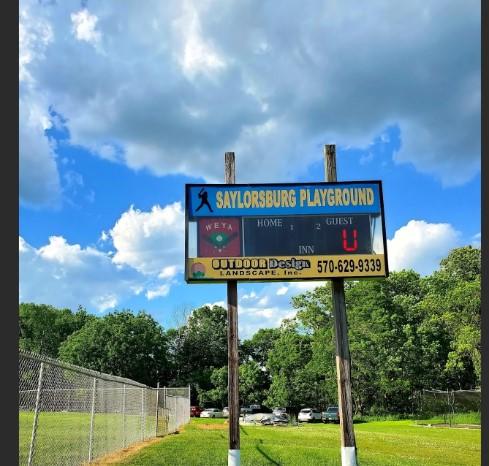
<point x="204" y="442"/>
<point x="64" y="437"/>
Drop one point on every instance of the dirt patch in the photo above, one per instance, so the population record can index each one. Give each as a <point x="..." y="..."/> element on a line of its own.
<point x="453" y="426"/>
<point x="120" y="455"/>
<point x="213" y="426"/>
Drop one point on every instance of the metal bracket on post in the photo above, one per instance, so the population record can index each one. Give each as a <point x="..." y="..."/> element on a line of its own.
<point x="36" y="415"/>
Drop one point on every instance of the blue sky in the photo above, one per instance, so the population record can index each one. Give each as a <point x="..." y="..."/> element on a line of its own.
<point x="120" y="107"/>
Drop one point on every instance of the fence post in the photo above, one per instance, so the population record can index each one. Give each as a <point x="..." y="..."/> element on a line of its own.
<point x="92" y="416"/>
<point x="187" y="418"/>
<point x="157" y="400"/>
<point x="36" y="415"/>
<point x="124" y="415"/>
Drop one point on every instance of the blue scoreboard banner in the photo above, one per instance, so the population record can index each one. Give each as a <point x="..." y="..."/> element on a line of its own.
<point x="319" y="198"/>
<point x="284" y="231"/>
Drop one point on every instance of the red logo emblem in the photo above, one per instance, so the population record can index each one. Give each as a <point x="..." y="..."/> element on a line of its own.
<point x="219" y="237"/>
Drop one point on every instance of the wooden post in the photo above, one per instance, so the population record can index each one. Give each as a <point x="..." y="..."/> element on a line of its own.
<point x="233" y="362"/>
<point x="343" y="366"/>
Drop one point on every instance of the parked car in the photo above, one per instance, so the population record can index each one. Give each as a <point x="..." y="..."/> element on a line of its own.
<point x="245" y="410"/>
<point x="225" y="411"/>
<point x="195" y="411"/>
<point x="280" y="419"/>
<point x="278" y="411"/>
<point x="309" y="415"/>
<point x="332" y="414"/>
<point x="211" y="412"/>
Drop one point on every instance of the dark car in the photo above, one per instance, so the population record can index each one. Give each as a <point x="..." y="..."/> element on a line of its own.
<point x="332" y="414"/>
<point x="195" y="411"/>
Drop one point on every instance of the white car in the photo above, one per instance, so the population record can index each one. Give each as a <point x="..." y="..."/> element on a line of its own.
<point x="279" y="411"/>
<point x="307" y="415"/>
<point x="225" y="411"/>
<point x="211" y="412"/>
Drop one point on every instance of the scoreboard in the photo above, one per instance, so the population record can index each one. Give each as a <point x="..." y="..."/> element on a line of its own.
<point x="307" y="235"/>
<point x="284" y="232"/>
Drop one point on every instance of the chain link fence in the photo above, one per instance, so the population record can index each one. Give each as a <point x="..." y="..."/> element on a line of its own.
<point x="69" y="415"/>
<point x="448" y="403"/>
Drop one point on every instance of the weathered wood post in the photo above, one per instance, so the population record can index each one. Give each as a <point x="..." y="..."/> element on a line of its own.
<point x="343" y="366"/>
<point x="233" y="362"/>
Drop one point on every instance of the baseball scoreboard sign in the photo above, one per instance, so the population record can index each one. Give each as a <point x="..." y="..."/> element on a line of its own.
<point x="284" y="232"/>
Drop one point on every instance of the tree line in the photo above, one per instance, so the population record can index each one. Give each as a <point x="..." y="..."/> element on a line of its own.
<point x="406" y="333"/>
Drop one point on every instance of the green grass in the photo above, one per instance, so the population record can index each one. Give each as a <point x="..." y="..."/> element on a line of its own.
<point x="63" y="437"/>
<point x="460" y="418"/>
<point x="393" y="443"/>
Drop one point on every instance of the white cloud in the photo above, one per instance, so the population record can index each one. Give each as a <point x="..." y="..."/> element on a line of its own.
<point x="282" y="290"/>
<point x="58" y="250"/>
<point x="301" y="287"/>
<point x="421" y="246"/>
<point x="252" y="319"/>
<point x="148" y="258"/>
<point x="151" y="242"/>
<point x="216" y="303"/>
<point x="197" y="56"/>
<point x="251" y="295"/>
<point x="172" y="67"/>
<point x="160" y="291"/>
<point x="84" y="24"/>
<point x="66" y="275"/>
<point x="168" y="272"/>
<point x="104" y="236"/>
<point x="39" y="182"/>
<point x="38" y="175"/>
<point x="35" y="34"/>
<point x="476" y="240"/>
<point x="263" y="301"/>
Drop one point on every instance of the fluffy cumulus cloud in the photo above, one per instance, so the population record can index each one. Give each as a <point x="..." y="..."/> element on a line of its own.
<point x="67" y="275"/>
<point x="171" y="86"/>
<point x="84" y="26"/>
<point x="147" y="257"/>
<point x="151" y="242"/>
<point x="420" y="246"/>
<point x="39" y="180"/>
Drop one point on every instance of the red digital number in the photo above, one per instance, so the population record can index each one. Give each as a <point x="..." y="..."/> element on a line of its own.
<point x="344" y="235"/>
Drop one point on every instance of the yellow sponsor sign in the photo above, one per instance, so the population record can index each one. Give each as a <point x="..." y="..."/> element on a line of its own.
<point x="285" y="267"/>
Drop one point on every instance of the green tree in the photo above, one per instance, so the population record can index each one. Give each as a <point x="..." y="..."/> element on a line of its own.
<point x="43" y="328"/>
<point x="286" y="361"/>
<point x="454" y="299"/>
<point x="123" y="344"/>
<point x="395" y="349"/>
<point x="198" y="347"/>
<point x="253" y="383"/>
<point x="258" y="346"/>
<point x="218" y="395"/>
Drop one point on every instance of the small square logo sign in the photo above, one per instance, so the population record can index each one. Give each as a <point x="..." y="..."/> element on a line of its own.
<point x="219" y="237"/>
